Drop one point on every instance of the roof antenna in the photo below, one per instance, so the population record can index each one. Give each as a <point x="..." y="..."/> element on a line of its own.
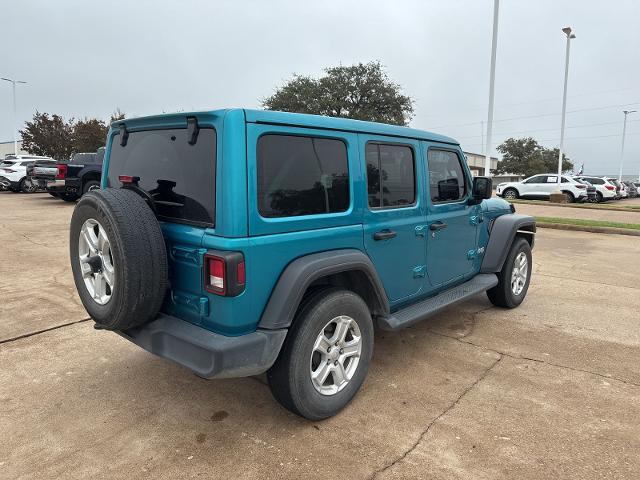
<point x="192" y="130"/>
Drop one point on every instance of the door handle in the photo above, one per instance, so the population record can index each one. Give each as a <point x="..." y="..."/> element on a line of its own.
<point x="437" y="226"/>
<point x="384" y="235"/>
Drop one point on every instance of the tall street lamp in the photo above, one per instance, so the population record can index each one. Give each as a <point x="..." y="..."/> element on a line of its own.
<point x="624" y="132"/>
<point x="492" y="78"/>
<point x="567" y="32"/>
<point x="15" y="114"/>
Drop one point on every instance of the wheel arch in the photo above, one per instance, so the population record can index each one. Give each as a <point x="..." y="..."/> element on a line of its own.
<point x="504" y="230"/>
<point x="348" y="268"/>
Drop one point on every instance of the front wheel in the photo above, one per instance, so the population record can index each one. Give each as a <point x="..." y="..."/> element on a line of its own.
<point x="515" y="276"/>
<point x="326" y="355"/>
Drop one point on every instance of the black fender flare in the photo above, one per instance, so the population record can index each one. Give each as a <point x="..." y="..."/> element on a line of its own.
<point x="503" y="230"/>
<point x="303" y="271"/>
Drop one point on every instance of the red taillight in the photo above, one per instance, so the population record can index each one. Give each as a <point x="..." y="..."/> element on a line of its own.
<point x="128" y="179"/>
<point x="609" y="187"/>
<point x="581" y="186"/>
<point x="62" y="171"/>
<point x="224" y="273"/>
<point x="215" y="275"/>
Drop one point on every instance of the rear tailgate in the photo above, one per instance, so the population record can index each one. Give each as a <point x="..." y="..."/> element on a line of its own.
<point x="179" y="176"/>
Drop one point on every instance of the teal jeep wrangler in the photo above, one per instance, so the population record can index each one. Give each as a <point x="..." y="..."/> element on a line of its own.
<point x="237" y="242"/>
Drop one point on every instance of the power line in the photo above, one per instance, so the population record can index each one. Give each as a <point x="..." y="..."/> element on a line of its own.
<point x="604" y="107"/>
<point x="552" y="129"/>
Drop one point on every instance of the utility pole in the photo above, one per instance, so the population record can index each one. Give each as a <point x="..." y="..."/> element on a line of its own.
<point x="492" y="80"/>
<point x="624" y="132"/>
<point x="15" y="114"/>
<point x="567" y="32"/>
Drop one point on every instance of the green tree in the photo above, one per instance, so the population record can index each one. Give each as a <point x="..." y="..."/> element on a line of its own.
<point x="89" y="134"/>
<point x="525" y="156"/>
<point x="48" y="135"/>
<point x="363" y="92"/>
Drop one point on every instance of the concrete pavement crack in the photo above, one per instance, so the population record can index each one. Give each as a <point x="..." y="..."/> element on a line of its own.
<point x="38" y="332"/>
<point x="531" y="359"/>
<point x="424" y="433"/>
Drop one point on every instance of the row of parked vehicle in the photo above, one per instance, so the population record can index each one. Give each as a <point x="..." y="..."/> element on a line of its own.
<point x="67" y="180"/>
<point x="581" y="188"/>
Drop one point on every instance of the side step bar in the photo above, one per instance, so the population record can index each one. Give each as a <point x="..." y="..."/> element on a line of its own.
<point x="421" y="310"/>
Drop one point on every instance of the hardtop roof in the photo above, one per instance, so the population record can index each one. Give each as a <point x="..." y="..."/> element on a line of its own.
<point x="302" y="120"/>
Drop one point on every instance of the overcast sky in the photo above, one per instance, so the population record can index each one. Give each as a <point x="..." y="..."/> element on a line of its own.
<point x="83" y="58"/>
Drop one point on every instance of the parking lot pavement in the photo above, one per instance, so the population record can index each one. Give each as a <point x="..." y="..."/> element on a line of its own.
<point x="538" y="210"/>
<point x="36" y="288"/>
<point x="549" y="390"/>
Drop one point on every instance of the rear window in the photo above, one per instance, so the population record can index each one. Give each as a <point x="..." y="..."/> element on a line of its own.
<point x="83" y="158"/>
<point x="301" y="176"/>
<point x="180" y="177"/>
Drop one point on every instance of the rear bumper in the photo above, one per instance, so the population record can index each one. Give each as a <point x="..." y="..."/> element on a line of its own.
<point x="208" y="354"/>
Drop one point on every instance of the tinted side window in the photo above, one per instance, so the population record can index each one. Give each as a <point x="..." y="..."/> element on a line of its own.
<point x="537" y="179"/>
<point x="301" y="176"/>
<point x="596" y="181"/>
<point x="446" y="177"/>
<point x="390" y="175"/>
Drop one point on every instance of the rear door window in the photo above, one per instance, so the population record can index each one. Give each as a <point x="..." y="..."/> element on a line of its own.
<point x="391" y="177"/>
<point x="179" y="176"/>
<point x="301" y="175"/>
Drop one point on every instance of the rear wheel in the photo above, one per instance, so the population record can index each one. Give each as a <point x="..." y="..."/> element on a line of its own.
<point x="514" y="278"/>
<point x="90" y="186"/>
<point x="326" y="355"/>
<point x="510" y="194"/>
<point x="599" y="197"/>
<point x="28" y="186"/>
<point x="569" y="197"/>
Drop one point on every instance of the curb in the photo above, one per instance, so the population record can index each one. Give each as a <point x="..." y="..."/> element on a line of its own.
<point x="585" y="228"/>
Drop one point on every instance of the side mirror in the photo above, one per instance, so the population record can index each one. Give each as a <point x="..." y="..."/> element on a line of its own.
<point x="482" y="188"/>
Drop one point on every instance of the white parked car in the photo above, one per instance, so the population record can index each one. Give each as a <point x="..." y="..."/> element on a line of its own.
<point x="13" y="173"/>
<point x="542" y="186"/>
<point x="605" y="190"/>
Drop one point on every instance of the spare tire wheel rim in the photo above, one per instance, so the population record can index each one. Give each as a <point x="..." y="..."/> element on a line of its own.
<point x="336" y="355"/>
<point x="96" y="261"/>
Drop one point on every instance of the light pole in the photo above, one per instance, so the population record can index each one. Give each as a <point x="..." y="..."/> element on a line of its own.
<point x="15" y="114"/>
<point x="624" y="132"/>
<point x="567" y="32"/>
<point x="492" y="79"/>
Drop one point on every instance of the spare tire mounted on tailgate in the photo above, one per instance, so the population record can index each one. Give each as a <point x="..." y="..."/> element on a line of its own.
<point x="118" y="258"/>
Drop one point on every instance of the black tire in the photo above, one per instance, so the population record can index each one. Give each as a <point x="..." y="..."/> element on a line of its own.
<point x="510" y="193"/>
<point x="68" y="197"/>
<point x="90" y="185"/>
<point x="569" y="196"/>
<point x="138" y="255"/>
<point x="290" y="377"/>
<point x="502" y="295"/>
<point x="26" y="186"/>
<point x="599" y="197"/>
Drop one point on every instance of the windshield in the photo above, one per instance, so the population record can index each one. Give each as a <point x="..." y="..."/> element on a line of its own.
<point x="179" y="176"/>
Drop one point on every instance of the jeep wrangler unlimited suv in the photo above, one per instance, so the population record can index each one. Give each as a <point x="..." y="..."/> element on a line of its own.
<point x="237" y="242"/>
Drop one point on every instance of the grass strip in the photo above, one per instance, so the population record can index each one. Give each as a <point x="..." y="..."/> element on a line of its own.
<point x="588" y="223"/>
<point x="589" y="206"/>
